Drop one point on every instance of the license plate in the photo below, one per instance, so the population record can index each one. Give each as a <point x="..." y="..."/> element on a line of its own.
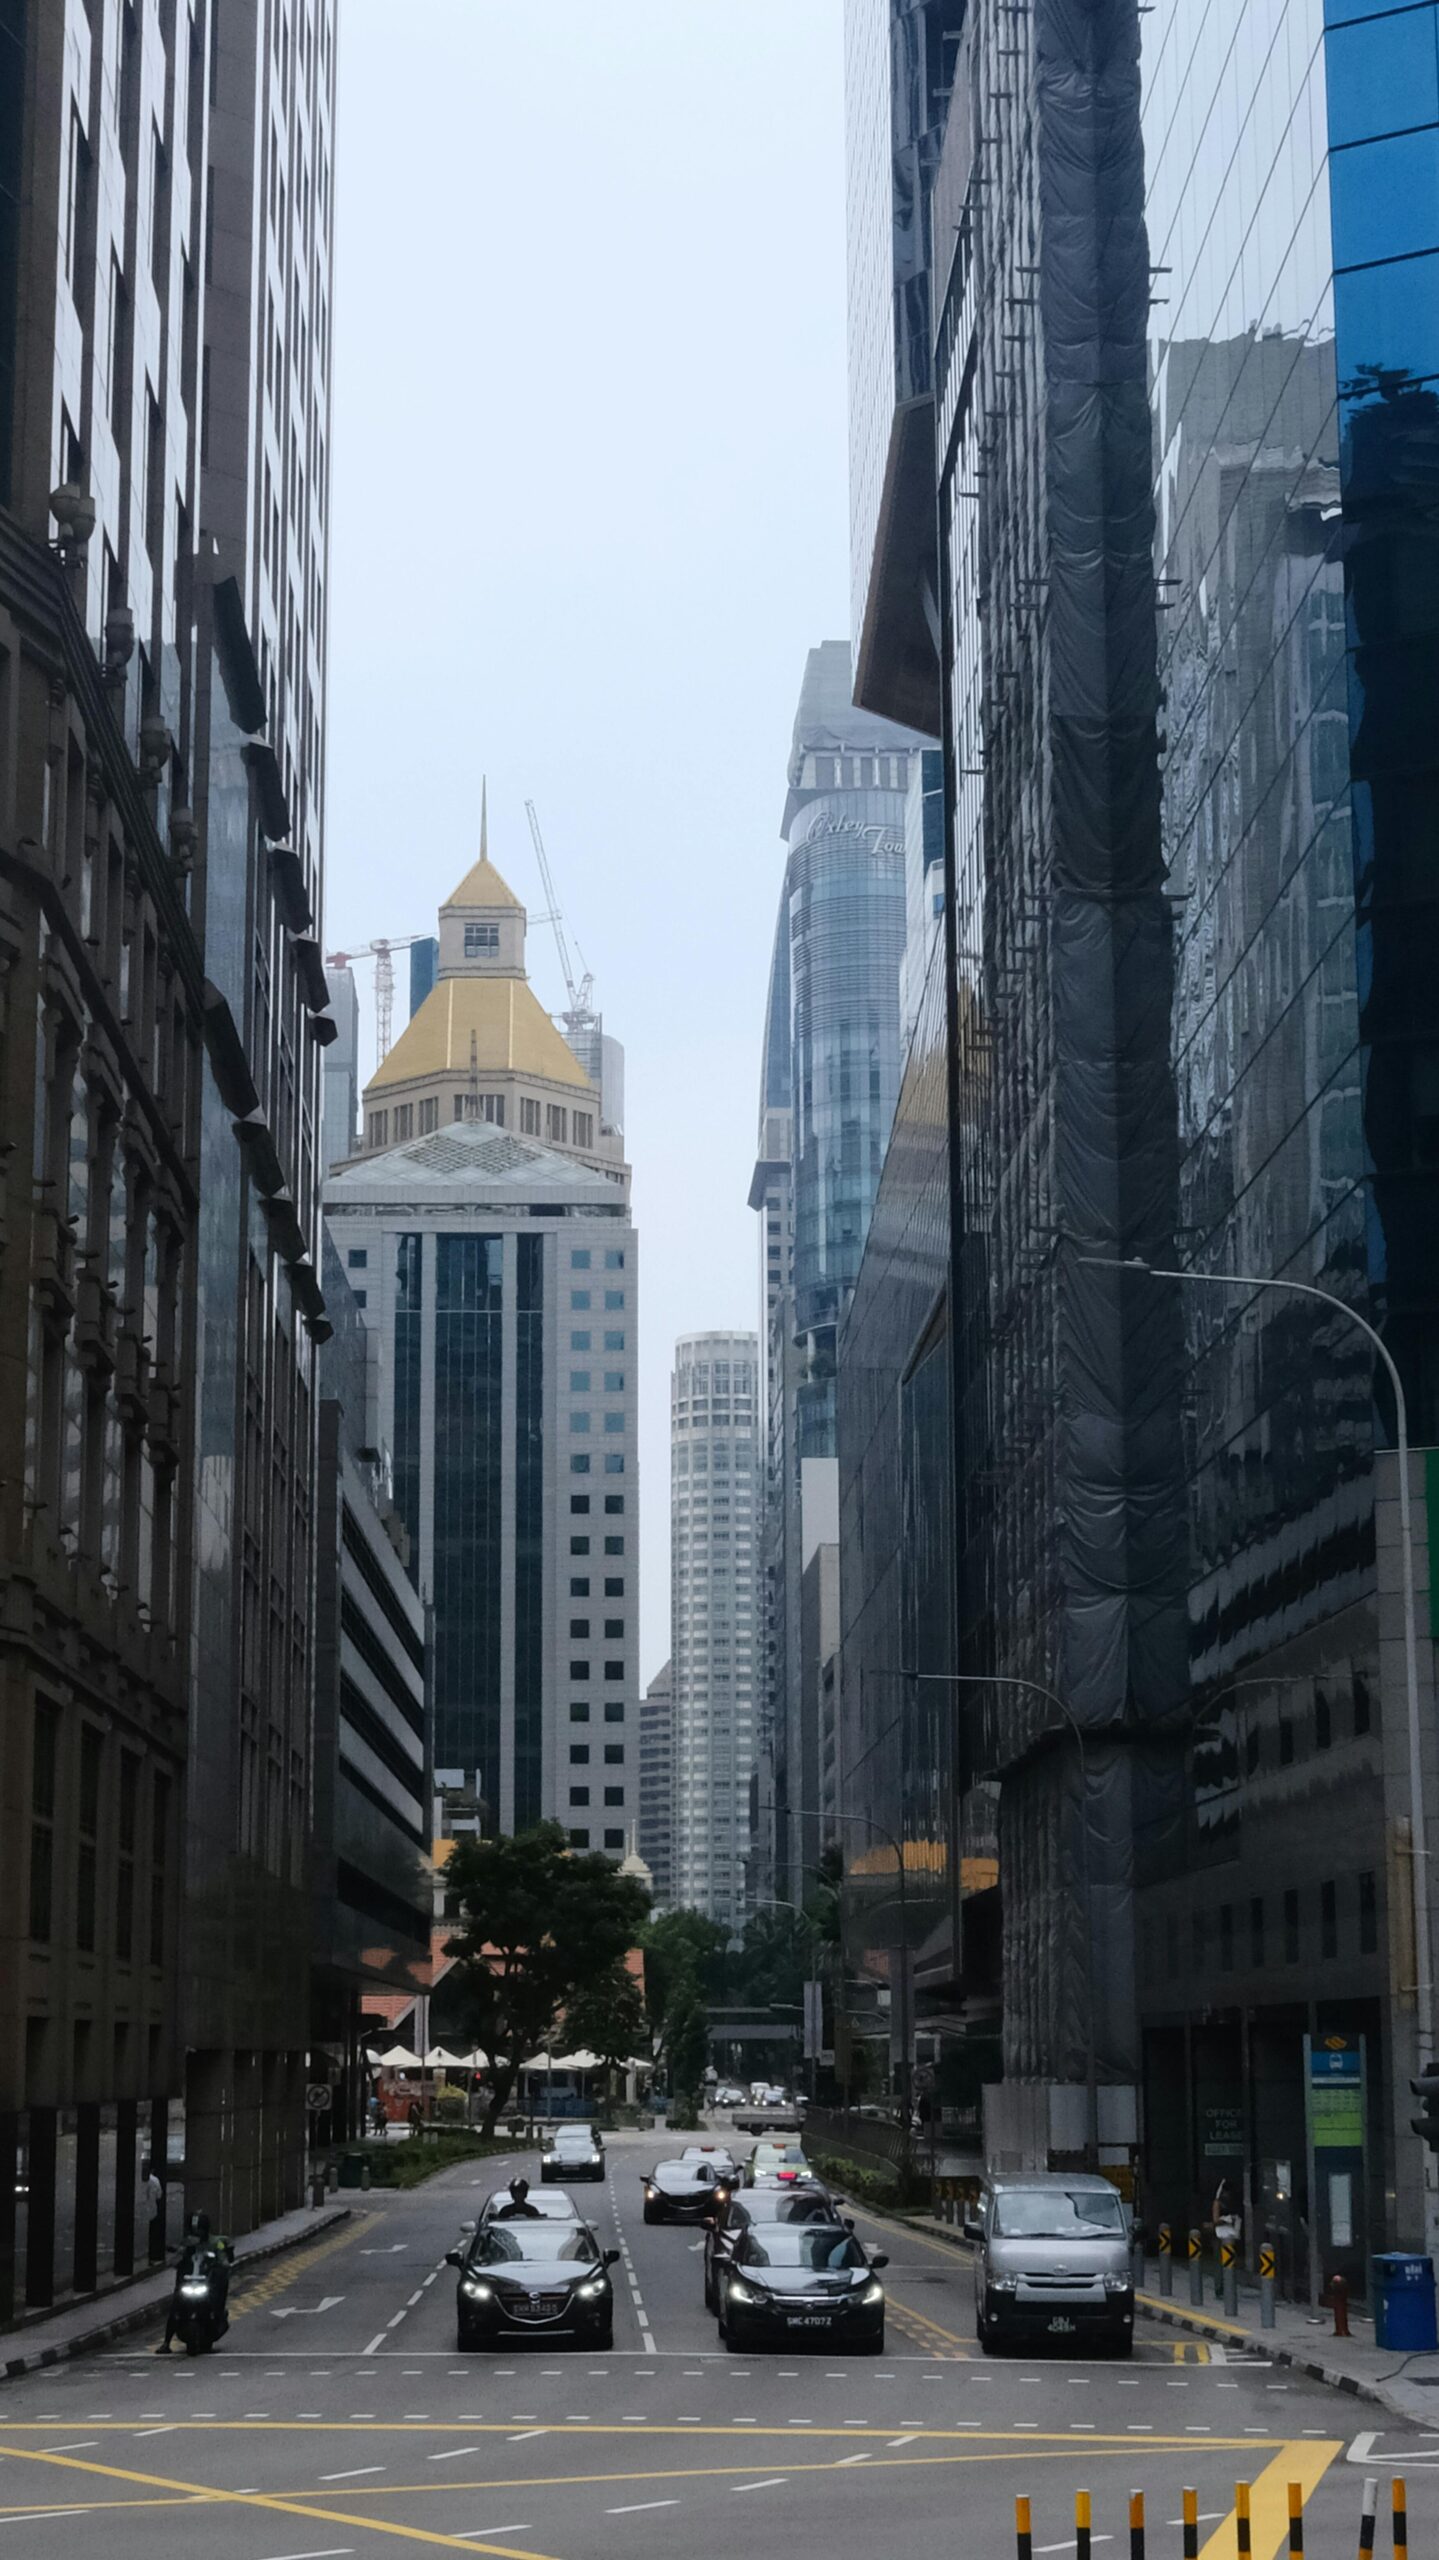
<point x="808" y="2320"/>
<point x="1060" y="2327"/>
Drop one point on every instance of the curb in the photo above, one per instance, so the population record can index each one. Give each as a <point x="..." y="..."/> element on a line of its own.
<point x="120" y="2324"/>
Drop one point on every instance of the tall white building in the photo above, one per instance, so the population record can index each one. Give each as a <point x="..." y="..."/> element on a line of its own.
<point x="714" y="1504"/>
<point x="486" y="1231"/>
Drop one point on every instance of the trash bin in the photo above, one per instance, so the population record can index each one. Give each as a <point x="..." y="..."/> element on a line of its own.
<point x="352" y="2167"/>
<point x="1404" y="2302"/>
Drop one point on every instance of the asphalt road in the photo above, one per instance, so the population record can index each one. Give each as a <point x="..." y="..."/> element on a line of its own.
<point x="338" y="2420"/>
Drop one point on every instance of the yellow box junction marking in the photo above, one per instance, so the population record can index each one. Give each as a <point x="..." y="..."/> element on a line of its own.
<point x="1305" y="2462"/>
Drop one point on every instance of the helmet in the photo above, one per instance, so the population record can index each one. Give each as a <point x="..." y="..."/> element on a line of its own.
<point x="519" y="2189"/>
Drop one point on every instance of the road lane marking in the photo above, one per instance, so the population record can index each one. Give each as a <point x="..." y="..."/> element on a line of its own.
<point x="746" y="2485"/>
<point x="375" y="2344"/>
<point x="257" y="2498"/>
<point x="332" y="2551"/>
<point x="455" y="2452"/>
<point x="1301" y="2461"/>
<point x="361" y="2472"/>
<point x="646" y="2508"/>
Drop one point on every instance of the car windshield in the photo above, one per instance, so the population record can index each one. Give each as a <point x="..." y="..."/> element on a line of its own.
<point x="500" y="2242"/>
<point x="1057" y="2213"/>
<point x="574" y="2137"/>
<point x="786" y="2204"/>
<point x="781" y="2246"/>
<point x="683" y="2173"/>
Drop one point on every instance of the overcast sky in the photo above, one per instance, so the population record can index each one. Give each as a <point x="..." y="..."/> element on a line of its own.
<point x="589" y="513"/>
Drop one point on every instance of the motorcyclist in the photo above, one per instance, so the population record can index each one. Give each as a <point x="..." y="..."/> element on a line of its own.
<point x="205" y="2258"/>
<point x="519" y="2208"/>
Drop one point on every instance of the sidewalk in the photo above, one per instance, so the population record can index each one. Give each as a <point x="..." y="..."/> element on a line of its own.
<point x="1407" y="2386"/>
<point x="55" y="2336"/>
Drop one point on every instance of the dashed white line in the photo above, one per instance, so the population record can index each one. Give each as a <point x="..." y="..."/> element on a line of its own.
<point x="361" y="2473"/>
<point x="455" y="2452"/>
<point x="744" y="2485"/>
<point x="376" y="2343"/>
<point x="646" y="2508"/>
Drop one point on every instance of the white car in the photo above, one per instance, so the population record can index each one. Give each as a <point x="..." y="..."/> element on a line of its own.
<point x="720" y="2160"/>
<point x="729" y="2096"/>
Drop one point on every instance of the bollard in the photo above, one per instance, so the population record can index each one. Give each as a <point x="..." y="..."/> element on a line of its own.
<point x="1267" y="2283"/>
<point x="1229" y="2272"/>
<point x="1340" y="2291"/>
<point x="1296" y="2521"/>
<point x="1136" y="2524"/>
<point x="1190" y="2508"/>
<point x="332" y="2175"/>
<point x="1166" y="2259"/>
<point x="1023" y="2537"/>
<point x="1243" y="2540"/>
<point x="1081" y="2524"/>
<point x="1399" y="2510"/>
<point x="365" y="2176"/>
<point x="1368" y="2517"/>
<point x="1196" y="2269"/>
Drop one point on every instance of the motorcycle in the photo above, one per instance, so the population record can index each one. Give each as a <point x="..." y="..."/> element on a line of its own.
<point x="200" y="2315"/>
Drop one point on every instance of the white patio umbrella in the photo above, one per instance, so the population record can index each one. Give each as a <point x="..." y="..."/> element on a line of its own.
<point x="400" y="2058"/>
<point x="439" y="2058"/>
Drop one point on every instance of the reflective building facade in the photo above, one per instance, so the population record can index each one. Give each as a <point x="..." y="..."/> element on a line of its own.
<point x="714" y="1518"/>
<point x="829" y="1080"/>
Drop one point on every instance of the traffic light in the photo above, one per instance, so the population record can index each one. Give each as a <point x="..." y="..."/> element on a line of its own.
<point x="1426" y="2087"/>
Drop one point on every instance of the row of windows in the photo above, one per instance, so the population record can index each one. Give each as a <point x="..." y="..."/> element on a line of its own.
<point x="585" y="1342"/>
<point x="580" y="1839"/>
<point x="1215" y="1935"/>
<point x="612" y="1671"/>
<point x="580" y="1583"/>
<point x="614" y="1301"/>
<point x="613" y="1422"/>
<point x="614" y="1258"/>
<point x="612" y="1795"/>
<point x="614" y="1711"/>
<point x="419" y="1119"/>
<point x="580" y="1382"/>
<point x="580" y="1546"/>
<point x="614" y="1463"/>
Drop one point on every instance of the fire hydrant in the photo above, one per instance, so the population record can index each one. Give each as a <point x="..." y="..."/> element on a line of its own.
<point x="1339" y="2291"/>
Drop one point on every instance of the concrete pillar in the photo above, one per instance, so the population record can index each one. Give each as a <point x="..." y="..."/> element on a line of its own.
<point x="159" y="2158"/>
<point x="40" y="2212"/>
<point x="9" y="2145"/>
<point x="85" y="2252"/>
<point x="126" y="2184"/>
<point x="244" y="2185"/>
<point x="207" y="2114"/>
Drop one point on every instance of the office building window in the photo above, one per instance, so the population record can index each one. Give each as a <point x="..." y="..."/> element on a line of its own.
<point x="1368" y="1913"/>
<point x="579" y="1627"/>
<point x="579" y="1342"/>
<point x="481" y="940"/>
<point x="615" y="1257"/>
<point x="579" y="1300"/>
<point x="43" y="1767"/>
<point x="579" y="1584"/>
<point x="1256" y="1931"/>
<point x="579" y="1382"/>
<point x="579" y="1546"/>
<point x="556" y="1122"/>
<point x="1323" y="1720"/>
<point x="1226" y="1937"/>
<point x="614" y="1502"/>
<point x="580" y="1258"/>
<point x="614" y="1300"/>
<point x="579" y="1839"/>
<point x="379" y="1128"/>
<point x="614" y="1839"/>
<point x="579" y="1712"/>
<point x="361" y="1297"/>
<point x="404" y="1120"/>
<point x="357" y="1259"/>
<point x="614" y="1711"/>
<point x="579" y="1671"/>
<point x="1363" y="1704"/>
<point x="579" y="1755"/>
<point x="614" y="1582"/>
<point x="579" y="1422"/>
<point x="529" y="1117"/>
<point x="614" y="1341"/>
<point x="614" y="1755"/>
<point x="580" y="1463"/>
<point x="614" y="1627"/>
<point x="614" y="1382"/>
<point x="429" y="1116"/>
<point x="584" y="1129"/>
<point x="614" y="1422"/>
<point x="579" y="1502"/>
<point x="1291" y="1926"/>
<point x="579" y="1795"/>
<point x="614" y="1671"/>
<point x="1329" y="1919"/>
<point x="614" y="1795"/>
<point x="87" y="1855"/>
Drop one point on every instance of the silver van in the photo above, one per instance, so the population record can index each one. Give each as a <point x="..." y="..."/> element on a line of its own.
<point x="1051" y="2261"/>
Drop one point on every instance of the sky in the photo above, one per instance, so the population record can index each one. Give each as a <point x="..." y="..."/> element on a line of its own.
<point x="589" y="511"/>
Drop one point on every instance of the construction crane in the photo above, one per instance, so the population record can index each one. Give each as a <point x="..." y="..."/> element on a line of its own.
<point x="380" y="952"/>
<point x="581" y="1012"/>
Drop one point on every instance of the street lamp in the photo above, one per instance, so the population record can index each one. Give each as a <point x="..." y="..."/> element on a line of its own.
<point x="1037" y="1689"/>
<point x="1418" y="1847"/>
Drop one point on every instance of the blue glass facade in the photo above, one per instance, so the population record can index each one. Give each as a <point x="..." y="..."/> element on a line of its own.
<point x="529" y="1529"/>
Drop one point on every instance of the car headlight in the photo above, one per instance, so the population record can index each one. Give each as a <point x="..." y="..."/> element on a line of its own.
<point x="873" y="2292"/>
<point x="1116" y="2284"/>
<point x="477" y="2292"/>
<point x="1004" y="2284"/>
<point x="597" y="2285"/>
<point x="650" y="2191"/>
<point x="739" y="2291"/>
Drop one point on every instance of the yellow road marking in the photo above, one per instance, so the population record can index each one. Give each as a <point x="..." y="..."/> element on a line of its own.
<point x="1184" y="2348"/>
<point x="1211" y="2319"/>
<point x="1303" y="2460"/>
<point x="199" y="2490"/>
<point x="290" y="2269"/>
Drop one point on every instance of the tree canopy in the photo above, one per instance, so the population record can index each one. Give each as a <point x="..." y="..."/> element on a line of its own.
<point x="539" y="1928"/>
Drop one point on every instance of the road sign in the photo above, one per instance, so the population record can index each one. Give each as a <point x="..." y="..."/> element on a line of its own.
<point x="318" y="2096"/>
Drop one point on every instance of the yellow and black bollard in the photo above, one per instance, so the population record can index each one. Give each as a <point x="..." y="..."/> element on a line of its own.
<point x="1296" y="2521"/>
<point x="1023" y="2532"/>
<point x="1081" y="2524"/>
<point x="1196" y="2269"/>
<point x="1229" y="2272"/>
<point x="1242" y="2535"/>
<point x="1368" y="2516"/>
<point x="1190" y="2506"/>
<point x="1166" y="2259"/>
<point x="1399" y="2509"/>
<point x="1136" y="2524"/>
<point x="1268" y="2276"/>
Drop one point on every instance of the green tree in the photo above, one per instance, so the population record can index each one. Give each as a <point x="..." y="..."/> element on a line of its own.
<point x="687" y="2044"/>
<point x="540" y="1925"/>
<point x="608" y="2018"/>
<point x="684" y="1956"/>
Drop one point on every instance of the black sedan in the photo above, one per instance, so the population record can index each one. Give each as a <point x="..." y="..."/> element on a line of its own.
<point x="790" y="2283"/>
<point x="541" y="2279"/>
<point x="684" y="2191"/>
<point x="803" y="2201"/>
<point x="574" y="2152"/>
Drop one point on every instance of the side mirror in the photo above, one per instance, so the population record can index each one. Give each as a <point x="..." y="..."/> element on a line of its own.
<point x="973" y="2227"/>
<point x="612" y="2257"/>
<point x="467" y="2226"/>
<point x="880" y="2258"/>
<point x="454" y="2257"/>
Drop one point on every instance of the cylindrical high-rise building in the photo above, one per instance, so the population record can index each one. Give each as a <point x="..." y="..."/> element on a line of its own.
<point x="714" y="1492"/>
